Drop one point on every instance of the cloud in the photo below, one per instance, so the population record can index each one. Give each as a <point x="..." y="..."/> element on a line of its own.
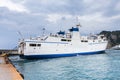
<point x="117" y="7"/>
<point x="45" y="6"/>
<point x="13" y="6"/>
<point x="56" y="17"/>
<point x="30" y="17"/>
<point x="28" y="24"/>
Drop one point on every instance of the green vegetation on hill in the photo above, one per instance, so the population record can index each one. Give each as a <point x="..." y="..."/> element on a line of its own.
<point x="113" y="37"/>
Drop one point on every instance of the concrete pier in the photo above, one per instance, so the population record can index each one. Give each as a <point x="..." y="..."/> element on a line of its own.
<point x="9" y="51"/>
<point x="7" y="70"/>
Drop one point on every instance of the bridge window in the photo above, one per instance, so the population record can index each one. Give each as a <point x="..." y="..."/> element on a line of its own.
<point x="65" y="40"/>
<point x="38" y="44"/>
<point x="84" y="40"/>
<point x="35" y="45"/>
<point x="32" y="45"/>
<point x="69" y="40"/>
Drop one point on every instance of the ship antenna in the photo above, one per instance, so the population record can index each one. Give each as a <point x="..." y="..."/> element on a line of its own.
<point x="78" y="23"/>
<point x="43" y="31"/>
<point x="20" y="34"/>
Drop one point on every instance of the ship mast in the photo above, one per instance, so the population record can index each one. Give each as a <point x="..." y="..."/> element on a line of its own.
<point x="78" y="23"/>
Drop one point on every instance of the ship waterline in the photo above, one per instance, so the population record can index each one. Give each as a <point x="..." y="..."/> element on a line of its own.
<point x="43" y="56"/>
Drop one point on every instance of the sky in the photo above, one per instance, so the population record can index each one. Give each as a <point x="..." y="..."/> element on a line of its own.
<point x="29" y="17"/>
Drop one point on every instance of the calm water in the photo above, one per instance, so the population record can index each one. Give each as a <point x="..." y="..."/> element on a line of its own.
<point x="88" y="67"/>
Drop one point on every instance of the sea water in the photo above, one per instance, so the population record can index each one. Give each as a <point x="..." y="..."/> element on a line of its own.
<point x="104" y="66"/>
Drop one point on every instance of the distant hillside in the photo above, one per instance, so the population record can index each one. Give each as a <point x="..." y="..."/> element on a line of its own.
<point x="113" y="37"/>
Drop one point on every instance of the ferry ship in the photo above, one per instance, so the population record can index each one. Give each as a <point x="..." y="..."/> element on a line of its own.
<point x="62" y="44"/>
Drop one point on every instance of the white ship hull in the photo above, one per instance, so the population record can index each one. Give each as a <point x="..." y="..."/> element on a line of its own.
<point x="56" y="49"/>
<point x="57" y="46"/>
<point x="45" y="56"/>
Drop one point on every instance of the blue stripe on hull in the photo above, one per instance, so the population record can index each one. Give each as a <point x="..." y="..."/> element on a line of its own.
<point x="46" y="56"/>
<point x="89" y="53"/>
<point x="57" y="55"/>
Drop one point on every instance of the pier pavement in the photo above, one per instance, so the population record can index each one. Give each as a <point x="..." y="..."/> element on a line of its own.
<point x="7" y="70"/>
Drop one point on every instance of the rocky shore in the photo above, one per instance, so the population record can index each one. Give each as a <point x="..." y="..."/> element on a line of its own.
<point x="113" y="37"/>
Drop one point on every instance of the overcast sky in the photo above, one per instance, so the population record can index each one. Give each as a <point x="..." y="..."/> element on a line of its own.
<point x="30" y="16"/>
